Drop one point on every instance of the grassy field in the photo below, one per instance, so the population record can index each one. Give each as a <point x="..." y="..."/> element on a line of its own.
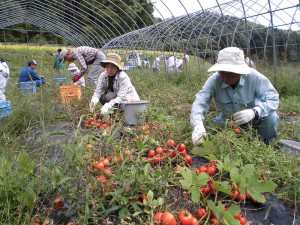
<point x="48" y="170"/>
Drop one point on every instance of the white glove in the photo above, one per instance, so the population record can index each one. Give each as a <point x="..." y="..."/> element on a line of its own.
<point x="243" y="116"/>
<point x="106" y="107"/>
<point x="198" y="134"/>
<point x="93" y="103"/>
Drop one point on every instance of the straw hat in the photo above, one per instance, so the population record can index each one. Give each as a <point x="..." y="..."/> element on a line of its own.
<point x="72" y="66"/>
<point x="231" y="59"/>
<point x="112" y="58"/>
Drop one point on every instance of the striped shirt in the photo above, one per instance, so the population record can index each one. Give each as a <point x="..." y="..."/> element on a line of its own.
<point x="85" y="56"/>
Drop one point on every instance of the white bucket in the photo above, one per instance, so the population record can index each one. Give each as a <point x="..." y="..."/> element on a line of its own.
<point x="133" y="112"/>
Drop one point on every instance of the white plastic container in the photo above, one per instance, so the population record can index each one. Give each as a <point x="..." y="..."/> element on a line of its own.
<point x="134" y="112"/>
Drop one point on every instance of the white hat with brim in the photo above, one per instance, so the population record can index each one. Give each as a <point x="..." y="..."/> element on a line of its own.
<point x="112" y="58"/>
<point x="231" y="59"/>
<point x="72" y="66"/>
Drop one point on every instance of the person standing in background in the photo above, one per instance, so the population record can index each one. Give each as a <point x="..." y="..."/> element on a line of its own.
<point x="58" y="66"/>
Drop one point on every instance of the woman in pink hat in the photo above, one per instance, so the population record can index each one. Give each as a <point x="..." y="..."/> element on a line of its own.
<point x="73" y="68"/>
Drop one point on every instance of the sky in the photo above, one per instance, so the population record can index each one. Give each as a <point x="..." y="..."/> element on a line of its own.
<point x="168" y="8"/>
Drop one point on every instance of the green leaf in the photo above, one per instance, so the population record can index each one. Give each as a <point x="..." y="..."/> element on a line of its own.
<point x="123" y="212"/>
<point x="195" y="194"/>
<point x="26" y="164"/>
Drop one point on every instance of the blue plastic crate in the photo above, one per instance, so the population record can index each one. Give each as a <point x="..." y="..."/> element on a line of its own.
<point x="5" y="108"/>
<point x="59" y="79"/>
<point x="27" y="87"/>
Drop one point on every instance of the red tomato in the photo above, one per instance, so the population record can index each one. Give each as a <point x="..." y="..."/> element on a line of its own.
<point x="238" y="216"/>
<point x="237" y="130"/>
<point x="159" y="150"/>
<point x="233" y="194"/>
<point x="239" y="197"/>
<point x="185" y="217"/>
<point x="202" y="169"/>
<point x="188" y="159"/>
<point x="151" y="153"/>
<point x="294" y="113"/>
<point x="201" y="213"/>
<point x="194" y="221"/>
<point x="210" y="170"/>
<point x="102" y="178"/>
<point x="170" y="143"/>
<point x="98" y="166"/>
<point x="105" y="162"/>
<point x="214" y="221"/>
<point x="168" y="218"/>
<point x="243" y="220"/>
<point x="157" y="218"/>
<point x="181" y="147"/>
<point x="144" y="197"/>
<point x="90" y="119"/>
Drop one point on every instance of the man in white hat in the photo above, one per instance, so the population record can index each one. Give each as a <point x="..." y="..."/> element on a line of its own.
<point x="239" y="92"/>
<point x="85" y="56"/>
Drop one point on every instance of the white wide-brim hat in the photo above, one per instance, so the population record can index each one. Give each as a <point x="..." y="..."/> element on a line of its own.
<point x="72" y="66"/>
<point x="112" y="58"/>
<point x="231" y="59"/>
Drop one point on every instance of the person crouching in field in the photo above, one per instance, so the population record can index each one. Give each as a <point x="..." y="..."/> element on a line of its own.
<point x="239" y="91"/>
<point x="114" y="85"/>
<point x="27" y="74"/>
<point x="73" y="68"/>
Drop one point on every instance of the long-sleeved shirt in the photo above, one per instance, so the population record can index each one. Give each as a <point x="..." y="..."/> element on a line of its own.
<point x="253" y="91"/>
<point x="122" y="87"/>
<point x="85" y="56"/>
<point x="24" y="77"/>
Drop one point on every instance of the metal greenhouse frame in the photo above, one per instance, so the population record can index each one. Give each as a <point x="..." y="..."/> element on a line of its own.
<point x="248" y="24"/>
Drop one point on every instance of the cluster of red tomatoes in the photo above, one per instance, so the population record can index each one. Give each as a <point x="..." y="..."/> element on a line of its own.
<point x="97" y="122"/>
<point x="187" y="218"/>
<point x="161" y="153"/>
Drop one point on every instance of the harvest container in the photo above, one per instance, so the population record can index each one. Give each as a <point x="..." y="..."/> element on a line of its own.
<point x="5" y="109"/>
<point x="134" y="112"/>
<point x="27" y="87"/>
<point x="59" y="79"/>
<point x="70" y="93"/>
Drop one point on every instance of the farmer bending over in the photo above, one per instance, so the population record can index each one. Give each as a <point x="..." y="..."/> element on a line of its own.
<point x="240" y="91"/>
<point x="85" y="56"/>
<point x="114" y="85"/>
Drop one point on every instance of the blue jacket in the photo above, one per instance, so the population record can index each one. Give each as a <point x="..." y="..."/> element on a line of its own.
<point x="23" y="77"/>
